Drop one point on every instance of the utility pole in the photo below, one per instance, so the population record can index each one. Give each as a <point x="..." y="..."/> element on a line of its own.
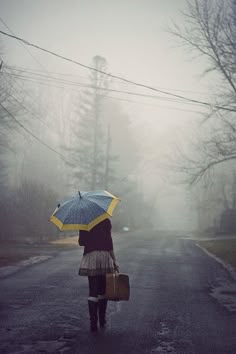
<point x="95" y="137"/>
<point x="107" y="162"/>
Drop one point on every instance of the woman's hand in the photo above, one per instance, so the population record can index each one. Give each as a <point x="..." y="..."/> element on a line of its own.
<point x="116" y="267"/>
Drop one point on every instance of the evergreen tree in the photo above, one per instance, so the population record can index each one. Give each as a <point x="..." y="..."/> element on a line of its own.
<point x="87" y="158"/>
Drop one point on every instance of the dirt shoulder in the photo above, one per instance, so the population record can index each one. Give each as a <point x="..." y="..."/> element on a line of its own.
<point x="11" y="253"/>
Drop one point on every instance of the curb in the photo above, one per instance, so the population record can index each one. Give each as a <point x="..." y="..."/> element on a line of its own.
<point x="227" y="266"/>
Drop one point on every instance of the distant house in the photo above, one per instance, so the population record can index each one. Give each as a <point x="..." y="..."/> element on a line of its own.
<point x="228" y="221"/>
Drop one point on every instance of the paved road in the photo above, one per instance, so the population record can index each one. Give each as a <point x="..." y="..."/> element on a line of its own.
<point x="44" y="307"/>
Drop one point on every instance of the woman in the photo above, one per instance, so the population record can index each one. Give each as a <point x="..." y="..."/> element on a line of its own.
<point x="98" y="259"/>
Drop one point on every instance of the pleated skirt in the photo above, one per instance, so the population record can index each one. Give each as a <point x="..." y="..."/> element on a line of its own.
<point x="96" y="263"/>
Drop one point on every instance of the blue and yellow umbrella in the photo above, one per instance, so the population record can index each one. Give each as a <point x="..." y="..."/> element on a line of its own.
<point x="84" y="210"/>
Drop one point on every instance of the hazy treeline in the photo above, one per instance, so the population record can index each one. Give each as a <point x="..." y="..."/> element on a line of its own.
<point x="63" y="133"/>
<point x="54" y="143"/>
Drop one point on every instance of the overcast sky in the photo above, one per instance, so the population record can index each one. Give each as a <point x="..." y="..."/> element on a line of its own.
<point x="132" y="36"/>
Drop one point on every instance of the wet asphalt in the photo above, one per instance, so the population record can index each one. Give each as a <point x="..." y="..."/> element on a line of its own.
<point x="43" y="308"/>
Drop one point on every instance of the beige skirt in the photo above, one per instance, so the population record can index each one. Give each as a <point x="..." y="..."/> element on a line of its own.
<point x="96" y="263"/>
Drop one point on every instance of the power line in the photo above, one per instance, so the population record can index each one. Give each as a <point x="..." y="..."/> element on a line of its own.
<point x="154" y="105"/>
<point x="29" y="132"/>
<point x="74" y="83"/>
<point x="111" y="97"/>
<point x="119" y="77"/>
<point x="27" y="94"/>
<point x="36" y="60"/>
<point x="37" y="72"/>
<point x="30" y="112"/>
<point x="32" y="56"/>
<point x="118" y="98"/>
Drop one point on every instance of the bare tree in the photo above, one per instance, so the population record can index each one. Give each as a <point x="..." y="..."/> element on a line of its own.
<point x="210" y="31"/>
<point x="6" y="126"/>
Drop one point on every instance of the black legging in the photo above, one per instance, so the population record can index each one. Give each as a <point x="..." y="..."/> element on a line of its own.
<point x="97" y="285"/>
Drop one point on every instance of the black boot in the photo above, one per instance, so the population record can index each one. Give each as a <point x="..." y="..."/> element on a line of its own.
<point x="93" y="313"/>
<point x="102" y="306"/>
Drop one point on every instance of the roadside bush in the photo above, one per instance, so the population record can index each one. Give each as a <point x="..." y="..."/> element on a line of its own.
<point x="26" y="211"/>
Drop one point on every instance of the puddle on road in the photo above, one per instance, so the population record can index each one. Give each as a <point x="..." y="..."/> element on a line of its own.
<point x="225" y="296"/>
<point x="166" y="344"/>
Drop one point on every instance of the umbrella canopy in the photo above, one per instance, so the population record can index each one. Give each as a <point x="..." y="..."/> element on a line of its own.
<point x="84" y="210"/>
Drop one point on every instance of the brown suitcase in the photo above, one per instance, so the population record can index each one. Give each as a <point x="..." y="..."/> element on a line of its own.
<point x="117" y="287"/>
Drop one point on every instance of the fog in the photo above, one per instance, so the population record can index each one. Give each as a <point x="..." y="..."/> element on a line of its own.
<point x="145" y="132"/>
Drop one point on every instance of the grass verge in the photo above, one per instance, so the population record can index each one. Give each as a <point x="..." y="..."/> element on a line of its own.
<point x="73" y="240"/>
<point x="13" y="252"/>
<point x="223" y="249"/>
